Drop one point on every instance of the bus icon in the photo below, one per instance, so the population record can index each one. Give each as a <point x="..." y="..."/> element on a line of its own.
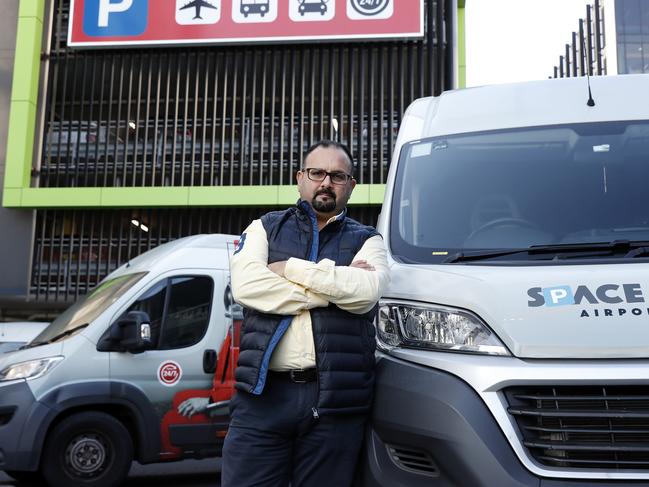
<point x="259" y="7"/>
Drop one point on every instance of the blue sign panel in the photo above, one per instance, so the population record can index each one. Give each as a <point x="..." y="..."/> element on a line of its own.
<point x="112" y="18"/>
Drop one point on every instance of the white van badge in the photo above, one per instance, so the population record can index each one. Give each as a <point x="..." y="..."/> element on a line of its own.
<point x="169" y="373"/>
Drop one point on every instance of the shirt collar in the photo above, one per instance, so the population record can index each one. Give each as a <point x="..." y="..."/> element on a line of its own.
<point x="338" y="217"/>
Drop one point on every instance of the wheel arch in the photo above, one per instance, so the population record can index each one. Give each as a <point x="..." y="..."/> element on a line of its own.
<point x="125" y="402"/>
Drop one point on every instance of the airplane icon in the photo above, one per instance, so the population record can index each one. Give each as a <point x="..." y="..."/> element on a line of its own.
<point x="198" y="4"/>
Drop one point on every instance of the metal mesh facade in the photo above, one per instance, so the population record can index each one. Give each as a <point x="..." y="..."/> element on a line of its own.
<point x="585" y="53"/>
<point x="75" y="249"/>
<point x="213" y="116"/>
<point x="209" y="116"/>
<point x="632" y="36"/>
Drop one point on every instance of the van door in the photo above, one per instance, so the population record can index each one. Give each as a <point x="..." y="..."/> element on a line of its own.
<point x="188" y="325"/>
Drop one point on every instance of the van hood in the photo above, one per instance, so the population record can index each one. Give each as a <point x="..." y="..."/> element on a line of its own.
<point x="554" y="311"/>
<point x="27" y="354"/>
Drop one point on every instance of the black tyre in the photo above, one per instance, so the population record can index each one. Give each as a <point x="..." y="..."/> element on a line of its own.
<point x="87" y="449"/>
<point x="26" y="478"/>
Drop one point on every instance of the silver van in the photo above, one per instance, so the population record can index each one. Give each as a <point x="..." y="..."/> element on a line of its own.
<point x="16" y="334"/>
<point x="514" y="336"/>
<point x="101" y="385"/>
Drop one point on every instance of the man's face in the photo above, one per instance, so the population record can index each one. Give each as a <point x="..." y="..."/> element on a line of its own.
<point x="326" y="198"/>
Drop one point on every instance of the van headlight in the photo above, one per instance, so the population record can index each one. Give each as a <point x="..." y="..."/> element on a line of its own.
<point x="31" y="369"/>
<point x="435" y="327"/>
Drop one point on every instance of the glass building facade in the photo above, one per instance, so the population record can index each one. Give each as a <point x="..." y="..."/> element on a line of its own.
<point x="632" y="36"/>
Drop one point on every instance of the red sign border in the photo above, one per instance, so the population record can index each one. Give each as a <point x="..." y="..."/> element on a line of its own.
<point x="75" y="30"/>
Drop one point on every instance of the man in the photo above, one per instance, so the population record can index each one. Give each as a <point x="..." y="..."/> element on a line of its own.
<point x="309" y="278"/>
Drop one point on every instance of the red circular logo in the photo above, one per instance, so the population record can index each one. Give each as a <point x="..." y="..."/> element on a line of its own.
<point x="169" y="373"/>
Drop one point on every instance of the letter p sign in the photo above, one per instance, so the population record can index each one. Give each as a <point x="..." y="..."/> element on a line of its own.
<point x="104" y="18"/>
<point x="558" y="296"/>
<point x="106" y="7"/>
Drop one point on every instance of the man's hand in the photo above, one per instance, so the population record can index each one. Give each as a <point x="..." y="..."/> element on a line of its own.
<point x="193" y="405"/>
<point x="362" y="264"/>
<point x="278" y="267"/>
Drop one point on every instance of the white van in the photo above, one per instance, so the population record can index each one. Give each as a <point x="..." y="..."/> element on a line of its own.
<point x="101" y="385"/>
<point x="514" y="335"/>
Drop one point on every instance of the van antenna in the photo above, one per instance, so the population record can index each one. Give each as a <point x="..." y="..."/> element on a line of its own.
<point x="590" y="102"/>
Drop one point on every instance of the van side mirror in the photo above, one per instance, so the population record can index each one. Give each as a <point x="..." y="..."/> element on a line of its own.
<point x="131" y="333"/>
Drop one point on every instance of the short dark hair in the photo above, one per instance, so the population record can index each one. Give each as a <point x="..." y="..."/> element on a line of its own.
<point x="325" y="143"/>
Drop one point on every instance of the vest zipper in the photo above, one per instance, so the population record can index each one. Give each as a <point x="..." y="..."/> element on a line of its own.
<point x="314" y="245"/>
<point x="317" y="377"/>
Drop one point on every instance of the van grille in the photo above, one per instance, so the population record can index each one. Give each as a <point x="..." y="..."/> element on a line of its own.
<point x="412" y="459"/>
<point x="594" y="427"/>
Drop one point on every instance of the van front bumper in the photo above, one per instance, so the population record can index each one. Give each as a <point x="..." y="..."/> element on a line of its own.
<point x="430" y="428"/>
<point x="20" y="418"/>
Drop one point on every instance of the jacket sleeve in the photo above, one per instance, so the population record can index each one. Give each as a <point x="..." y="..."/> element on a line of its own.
<point x="350" y="288"/>
<point x="257" y="287"/>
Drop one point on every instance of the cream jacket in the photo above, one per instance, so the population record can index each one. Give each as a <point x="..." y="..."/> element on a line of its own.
<point x="306" y="285"/>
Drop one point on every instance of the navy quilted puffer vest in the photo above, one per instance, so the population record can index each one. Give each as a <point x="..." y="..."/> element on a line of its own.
<point x="344" y="342"/>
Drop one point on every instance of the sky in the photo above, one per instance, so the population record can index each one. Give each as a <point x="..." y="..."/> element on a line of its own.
<point x="518" y="40"/>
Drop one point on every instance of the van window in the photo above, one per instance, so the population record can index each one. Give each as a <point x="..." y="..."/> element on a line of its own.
<point x="88" y="307"/>
<point x="514" y="188"/>
<point x="179" y="310"/>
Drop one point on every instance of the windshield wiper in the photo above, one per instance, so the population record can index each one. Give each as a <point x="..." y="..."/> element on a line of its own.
<point x="634" y="248"/>
<point x="56" y="338"/>
<point x="637" y="252"/>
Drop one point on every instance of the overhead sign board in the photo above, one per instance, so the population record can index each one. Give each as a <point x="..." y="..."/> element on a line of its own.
<point x="105" y="23"/>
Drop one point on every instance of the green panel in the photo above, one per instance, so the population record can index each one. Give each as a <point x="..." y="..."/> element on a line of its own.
<point x="20" y="144"/>
<point x="377" y="194"/>
<point x="144" y="197"/>
<point x="60" y="197"/>
<point x="27" y="61"/>
<point x="171" y="196"/>
<point x="24" y="100"/>
<point x="11" y="197"/>
<point x="32" y="8"/>
<point x="461" y="49"/>
<point x="287" y="195"/>
<point x="232" y="195"/>
<point x="360" y="195"/>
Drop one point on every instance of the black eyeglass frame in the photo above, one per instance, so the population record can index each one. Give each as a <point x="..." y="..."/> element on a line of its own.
<point x="308" y="170"/>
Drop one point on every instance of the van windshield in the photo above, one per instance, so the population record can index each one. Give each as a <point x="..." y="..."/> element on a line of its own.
<point x="87" y="308"/>
<point x="511" y="189"/>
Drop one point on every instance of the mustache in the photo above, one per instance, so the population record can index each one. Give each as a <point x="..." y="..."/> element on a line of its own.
<point x="326" y="191"/>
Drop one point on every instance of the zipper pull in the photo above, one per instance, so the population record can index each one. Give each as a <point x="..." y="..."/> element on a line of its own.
<point x="315" y="413"/>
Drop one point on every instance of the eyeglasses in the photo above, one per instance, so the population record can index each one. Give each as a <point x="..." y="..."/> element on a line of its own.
<point x="319" y="175"/>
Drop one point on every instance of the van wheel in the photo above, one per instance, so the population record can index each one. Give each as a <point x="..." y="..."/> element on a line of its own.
<point x="87" y="449"/>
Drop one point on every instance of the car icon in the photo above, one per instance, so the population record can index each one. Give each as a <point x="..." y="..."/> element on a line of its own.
<point x="254" y="7"/>
<point x="312" y="6"/>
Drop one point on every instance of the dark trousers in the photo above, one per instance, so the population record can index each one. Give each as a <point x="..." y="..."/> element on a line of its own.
<point x="274" y="440"/>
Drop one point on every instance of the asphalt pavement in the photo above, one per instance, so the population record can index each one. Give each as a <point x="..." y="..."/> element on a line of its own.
<point x="187" y="473"/>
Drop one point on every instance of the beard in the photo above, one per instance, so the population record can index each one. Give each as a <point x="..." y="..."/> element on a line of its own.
<point x="324" y="206"/>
